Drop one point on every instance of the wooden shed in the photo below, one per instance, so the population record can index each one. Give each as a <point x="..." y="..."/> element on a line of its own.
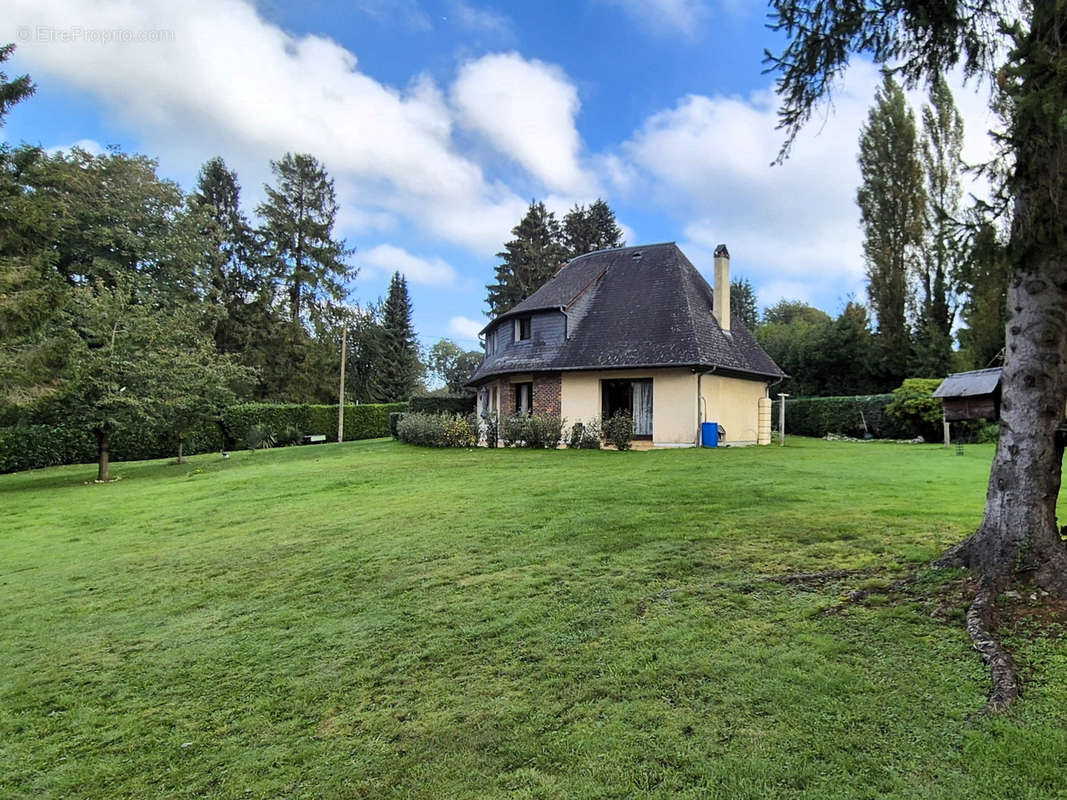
<point x="971" y="395"/>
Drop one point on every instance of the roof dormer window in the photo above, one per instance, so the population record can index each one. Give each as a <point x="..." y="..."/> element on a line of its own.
<point x="523" y="329"/>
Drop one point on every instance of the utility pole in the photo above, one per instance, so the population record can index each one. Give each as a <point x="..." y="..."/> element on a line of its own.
<point x="341" y="393"/>
<point x="781" y="418"/>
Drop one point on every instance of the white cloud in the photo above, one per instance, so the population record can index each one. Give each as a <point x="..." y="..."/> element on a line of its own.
<point x="795" y="225"/>
<point x="666" y="16"/>
<point x="230" y="82"/>
<point x="526" y="110"/>
<point x="465" y="328"/>
<point x="387" y="258"/>
<point x="484" y="21"/>
<point x="90" y="146"/>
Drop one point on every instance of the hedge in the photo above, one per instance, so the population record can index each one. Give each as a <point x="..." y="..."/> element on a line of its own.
<point x="818" y="416"/>
<point x="32" y="446"/>
<point x="444" y="404"/>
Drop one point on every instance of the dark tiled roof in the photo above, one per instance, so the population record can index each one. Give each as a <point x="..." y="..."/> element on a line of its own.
<point x="644" y="306"/>
<point x="969" y="384"/>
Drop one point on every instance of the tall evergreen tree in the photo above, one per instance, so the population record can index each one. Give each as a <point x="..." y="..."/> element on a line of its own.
<point x="586" y="230"/>
<point x="892" y="203"/>
<point x="528" y="260"/>
<point x="298" y="220"/>
<point x="984" y="279"/>
<point x="238" y="283"/>
<point x="942" y="145"/>
<point x="743" y="302"/>
<point x="14" y="90"/>
<point x="399" y="370"/>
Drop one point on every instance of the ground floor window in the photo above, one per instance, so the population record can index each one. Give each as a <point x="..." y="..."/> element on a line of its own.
<point x="523" y="399"/>
<point x="634" y="396"/>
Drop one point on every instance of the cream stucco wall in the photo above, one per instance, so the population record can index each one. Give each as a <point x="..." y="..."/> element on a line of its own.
<point x="674" y="393"/>
<point x="734" y="404"/>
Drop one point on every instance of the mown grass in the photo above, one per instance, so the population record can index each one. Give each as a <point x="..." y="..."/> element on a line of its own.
<point x="374" y="620"/>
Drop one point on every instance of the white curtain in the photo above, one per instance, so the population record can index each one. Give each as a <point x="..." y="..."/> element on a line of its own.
<point x="642" y="402"/>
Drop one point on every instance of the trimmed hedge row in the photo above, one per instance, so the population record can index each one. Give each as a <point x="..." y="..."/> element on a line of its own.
<point x="444" y="404"/>
<point x="818" y="416"/>
<point x="25" y="447"/>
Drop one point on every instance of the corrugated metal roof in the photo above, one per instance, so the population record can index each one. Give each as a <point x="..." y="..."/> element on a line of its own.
<point x="970" y="384"/>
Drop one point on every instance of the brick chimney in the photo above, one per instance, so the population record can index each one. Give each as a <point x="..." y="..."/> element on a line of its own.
<point x="721" y="309"/>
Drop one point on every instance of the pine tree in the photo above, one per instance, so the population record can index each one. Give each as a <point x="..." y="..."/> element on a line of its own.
<point x="528" y="260"/>
<point x="892" y="203"/>
<point x="399" y="368"/>
<point x="298" y="221"/>
<point x="239" y="286"/>
<point x="15" y="90"/>
<point x="942" y="144"/>
<point x="586" y="230"/>
<point x="743" y="302"/>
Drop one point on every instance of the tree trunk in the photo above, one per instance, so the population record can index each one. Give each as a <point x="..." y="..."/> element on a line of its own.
<point x="103" y="452"/>
<point x="1019" y="532"/>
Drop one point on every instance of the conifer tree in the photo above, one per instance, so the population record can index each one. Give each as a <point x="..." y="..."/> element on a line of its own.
<point x="586" y="230"/>
<point x="399" y="366"/>
<point x="528" y="260"/>
<point x="743" y="302"/>
<point x="14" y="90"/>
<point x="891" y="201"/>
<point x="237" y="281"/>
<point x="298" y="221"/>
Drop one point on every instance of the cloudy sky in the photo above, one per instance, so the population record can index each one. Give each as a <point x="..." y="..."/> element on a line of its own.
<point x="441" y="119"/>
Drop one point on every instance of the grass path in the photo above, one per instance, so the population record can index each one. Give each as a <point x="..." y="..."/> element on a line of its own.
<point x="373" y="620"/>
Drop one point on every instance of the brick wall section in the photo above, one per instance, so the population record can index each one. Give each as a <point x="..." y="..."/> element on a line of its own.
<point x="507" y="398"/>
<point x="546" y="394"/>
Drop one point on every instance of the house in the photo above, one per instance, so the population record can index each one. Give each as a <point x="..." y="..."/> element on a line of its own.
<point x="635" y="329"/>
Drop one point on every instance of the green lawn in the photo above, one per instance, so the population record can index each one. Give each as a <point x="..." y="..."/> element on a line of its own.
<point x="374" y="620"/>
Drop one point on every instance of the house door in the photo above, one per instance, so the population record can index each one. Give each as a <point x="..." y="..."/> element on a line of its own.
<point x="634" y="396"/>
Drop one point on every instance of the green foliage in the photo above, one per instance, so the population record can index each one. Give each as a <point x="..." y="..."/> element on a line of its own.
<point x="257" y="437"/>
<point x="394" y="420"/>
<point x="452" y="365"/>
<point x="513" y="430"/>
<point x="437" y="430"/>
<point x="586" y="230"/>
<point x="444" y="404"/>
<point x="25" y="447"/>
<point x="288" y="436"/>
<point x="914" y="404"/>
<point x="298" y="221"/>
<point x="542" y="431"/>
<point x="585" y="436"/>
<point x="399" y="369"/>
<point x="743" y="303"/>
<point x="892" y="202"/>
<point x="619" y="430"/>
<point x="14" y="90"/>
<point x="491" y="423"/>
<point x="528" y="260"/>
<point x="852" y="416"/>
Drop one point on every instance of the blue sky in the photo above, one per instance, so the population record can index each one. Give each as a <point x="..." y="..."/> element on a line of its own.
<point x="441" y="119"/>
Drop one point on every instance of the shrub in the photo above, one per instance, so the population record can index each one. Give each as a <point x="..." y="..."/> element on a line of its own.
<point x="852" y="416"/>
<point x="25" y="447"/>
<point x="289" y="435"/>
<point x="492" y="429"/>
<point x="913" y="404"/>
<point x="459" y="431"/>
<point x="543" y="432"/>
<point x="258" y="436"/>
<point x="513" y="430"/>
<point x="585" y="436"/>
<point x="619" y="430"/>
<point x="394" y="419"/>
<point x="444" y="404"/>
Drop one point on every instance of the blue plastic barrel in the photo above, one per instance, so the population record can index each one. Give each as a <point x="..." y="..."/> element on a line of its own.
<point x="709" y="434"/>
